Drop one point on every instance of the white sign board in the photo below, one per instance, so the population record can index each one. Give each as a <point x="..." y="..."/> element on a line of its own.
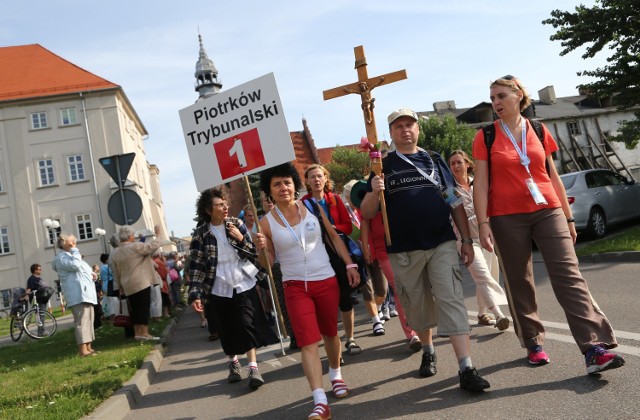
<point x="236" y="133"/>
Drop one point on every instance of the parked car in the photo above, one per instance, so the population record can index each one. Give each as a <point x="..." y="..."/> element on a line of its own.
<point x="600" y="198"/>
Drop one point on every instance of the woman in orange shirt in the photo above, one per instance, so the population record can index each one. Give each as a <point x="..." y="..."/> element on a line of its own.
<point x="518" y="200"/>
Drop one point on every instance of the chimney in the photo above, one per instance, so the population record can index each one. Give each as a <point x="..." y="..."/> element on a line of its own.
<point x="547" y="95"/>
<point x="444" y="106"/>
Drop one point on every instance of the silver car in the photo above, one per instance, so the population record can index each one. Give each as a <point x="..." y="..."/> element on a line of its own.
<point x="600" y="197"/>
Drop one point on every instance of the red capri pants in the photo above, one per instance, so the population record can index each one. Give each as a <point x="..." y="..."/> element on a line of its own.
<point x="312" y="308"/>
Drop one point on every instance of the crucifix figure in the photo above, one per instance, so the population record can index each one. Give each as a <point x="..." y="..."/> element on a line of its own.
<point x="363" y="87"/>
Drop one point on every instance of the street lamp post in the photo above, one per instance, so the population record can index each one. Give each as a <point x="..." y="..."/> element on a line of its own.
<point x="52" y="229"/>
<point x="101" y="232"/>
<point x="52" y="226"/>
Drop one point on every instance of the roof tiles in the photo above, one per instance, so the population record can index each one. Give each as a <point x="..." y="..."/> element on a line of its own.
<point x="31" y="71"/>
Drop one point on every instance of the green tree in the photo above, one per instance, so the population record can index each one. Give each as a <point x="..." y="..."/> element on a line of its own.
<point x="613" y="24"/>
<point x="347" y="163"/>
<point x="254" y="184"/>
<point x="444" y="134"/>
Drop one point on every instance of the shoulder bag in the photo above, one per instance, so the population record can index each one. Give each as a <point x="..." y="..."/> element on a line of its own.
<point x="355" y="252"/>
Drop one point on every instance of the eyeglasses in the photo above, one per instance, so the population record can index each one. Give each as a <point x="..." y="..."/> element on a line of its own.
<point x="221" y="205"/>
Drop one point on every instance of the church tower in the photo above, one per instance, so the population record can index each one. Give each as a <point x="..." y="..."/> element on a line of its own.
<point x="207" y="82"/>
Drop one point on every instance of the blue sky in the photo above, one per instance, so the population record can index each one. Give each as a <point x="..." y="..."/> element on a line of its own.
<point x="450" y="49"/>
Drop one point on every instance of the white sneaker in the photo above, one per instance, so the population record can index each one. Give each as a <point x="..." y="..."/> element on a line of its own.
<point x="393" y="312"/>
<point x="381" y="317"/>
<point x="385" y="314"/>
<point x="415" y="344"/>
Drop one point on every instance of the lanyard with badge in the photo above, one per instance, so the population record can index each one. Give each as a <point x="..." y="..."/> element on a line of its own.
<point x="301" y="240"/>
<point x="525" y="161"/>
<point x="450" y="195"/>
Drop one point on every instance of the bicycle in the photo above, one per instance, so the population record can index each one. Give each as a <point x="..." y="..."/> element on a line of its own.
<point x="36" y="323"/>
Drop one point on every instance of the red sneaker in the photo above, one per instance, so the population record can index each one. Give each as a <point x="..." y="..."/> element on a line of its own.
<point x="599" y="359"/>
<point x="320" y="412"/>
<point x="538" y="358"/>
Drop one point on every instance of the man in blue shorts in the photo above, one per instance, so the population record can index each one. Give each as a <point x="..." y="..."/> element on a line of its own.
<point x="418" y="190"/>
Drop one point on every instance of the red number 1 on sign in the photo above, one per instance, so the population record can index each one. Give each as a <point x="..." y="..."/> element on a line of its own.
<point x="239" y="153"/>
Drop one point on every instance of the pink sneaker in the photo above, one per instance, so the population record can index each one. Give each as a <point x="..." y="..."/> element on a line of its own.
<point x="599" y="359"/>
<point x="538" y="357"/>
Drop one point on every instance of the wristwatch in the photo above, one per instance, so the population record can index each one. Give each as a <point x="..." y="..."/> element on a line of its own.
<point x="466" y="241"/>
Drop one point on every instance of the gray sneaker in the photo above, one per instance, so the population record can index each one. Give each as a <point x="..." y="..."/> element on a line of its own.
<point x="255" y="379"/>
<point x="234" y="372"/>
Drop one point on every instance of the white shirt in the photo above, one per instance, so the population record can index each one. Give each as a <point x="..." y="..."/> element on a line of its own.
<point x="309" y="264"/>
<point x="229" y="274"/>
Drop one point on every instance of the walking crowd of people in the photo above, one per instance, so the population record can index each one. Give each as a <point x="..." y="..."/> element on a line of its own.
<point x="441" y="211"/>
<point x="473" y="208"/>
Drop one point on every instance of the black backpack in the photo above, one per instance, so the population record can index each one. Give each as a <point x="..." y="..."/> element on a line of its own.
<point x="489" y="132"/>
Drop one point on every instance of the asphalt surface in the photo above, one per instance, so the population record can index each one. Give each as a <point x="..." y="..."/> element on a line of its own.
<point x="186" y="378"/>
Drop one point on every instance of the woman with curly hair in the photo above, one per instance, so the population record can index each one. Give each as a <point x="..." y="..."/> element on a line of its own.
<point x="223" y="268"/>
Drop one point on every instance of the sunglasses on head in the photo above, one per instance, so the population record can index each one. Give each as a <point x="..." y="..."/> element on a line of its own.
<point x="511" y="79"/>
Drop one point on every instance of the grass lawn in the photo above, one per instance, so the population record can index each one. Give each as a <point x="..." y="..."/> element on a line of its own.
<point x="627" y="240"/>
<point x="46" y="378"/>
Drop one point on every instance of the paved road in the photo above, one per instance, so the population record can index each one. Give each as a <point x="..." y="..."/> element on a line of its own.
<point x="384" y="381"/>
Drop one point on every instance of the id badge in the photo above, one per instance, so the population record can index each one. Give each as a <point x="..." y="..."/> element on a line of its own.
<point x="249" y="269"/>
<point x="535" y="192"/>
<point x="451" y="197"/>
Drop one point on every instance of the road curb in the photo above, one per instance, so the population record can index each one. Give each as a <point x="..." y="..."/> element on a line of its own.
<point x="120" y="404"/>
<point x="607" y="257"/>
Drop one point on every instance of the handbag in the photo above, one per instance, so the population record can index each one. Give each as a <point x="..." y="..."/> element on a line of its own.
<point x="123" y="321"/>
<point x="43" y="294"/>
<point x="355" y="252"/>
<point x="174" y="275"/>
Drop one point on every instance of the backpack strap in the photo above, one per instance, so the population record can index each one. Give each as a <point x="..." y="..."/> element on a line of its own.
<point x="489" y="132"/>
<point x="537" y="128"/>
<point x="444" y="172"/>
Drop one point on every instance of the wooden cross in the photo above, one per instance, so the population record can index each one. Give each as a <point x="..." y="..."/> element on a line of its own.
<point x="363" y="87"/>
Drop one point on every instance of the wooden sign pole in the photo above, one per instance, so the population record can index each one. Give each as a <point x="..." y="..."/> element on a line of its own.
<point x="264" y="260"/>
<point x="363" y="87"/>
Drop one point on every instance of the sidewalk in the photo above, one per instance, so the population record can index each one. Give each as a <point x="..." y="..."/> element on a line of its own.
<point x="172" y="366"/>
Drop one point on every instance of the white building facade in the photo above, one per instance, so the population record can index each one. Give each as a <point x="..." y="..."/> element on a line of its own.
<point x="52" y="135"/>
